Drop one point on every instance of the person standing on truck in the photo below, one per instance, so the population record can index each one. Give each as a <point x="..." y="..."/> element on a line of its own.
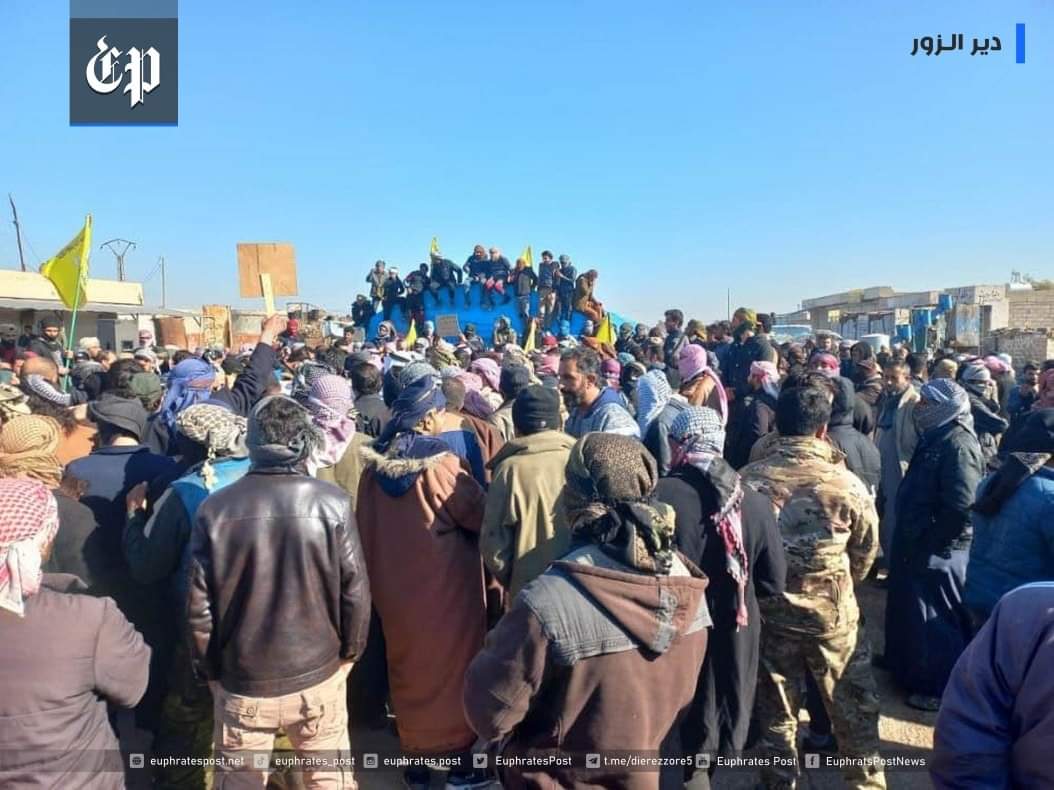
<point x="547" y="289"/>
<point x="376" y="279"/>
<point x="565" y="277"/>
<point x="393" y="293"/>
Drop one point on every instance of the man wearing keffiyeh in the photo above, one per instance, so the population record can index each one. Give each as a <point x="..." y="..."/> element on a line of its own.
<point x="157" y="549"/>
<point x="729" y="531"/>
<point x="927" y="623"/>
<point x="29" y="520"/>
<point x="622" y="617"/>
<point x="67" y="656"/>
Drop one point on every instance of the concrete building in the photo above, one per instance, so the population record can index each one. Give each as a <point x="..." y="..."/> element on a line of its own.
<point x="958" y="316"/>
<point x="114" y="312"/>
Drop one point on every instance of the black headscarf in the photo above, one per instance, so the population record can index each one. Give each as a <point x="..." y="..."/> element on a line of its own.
<point x="611" y="481"/>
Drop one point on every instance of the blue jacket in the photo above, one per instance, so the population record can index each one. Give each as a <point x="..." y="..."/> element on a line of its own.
<point x="1013" y="547"/>
<point x="477" y="267"/>
<point x="606" y="415"/>
<point x="996" y="721"/>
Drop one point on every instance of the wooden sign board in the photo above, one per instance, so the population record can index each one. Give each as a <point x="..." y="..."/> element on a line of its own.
<point x="276" y="259"/>
<point x="447" y="325"/>
<point x="172" y="331"/>
<point x="216" y="325"/>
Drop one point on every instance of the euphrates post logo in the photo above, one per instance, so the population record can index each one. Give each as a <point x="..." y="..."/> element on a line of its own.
<point x="124" y="59"/>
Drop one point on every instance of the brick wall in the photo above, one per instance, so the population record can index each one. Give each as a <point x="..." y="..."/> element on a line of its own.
<point x="1022" y="346"/>
<point x="1032" y="309"/>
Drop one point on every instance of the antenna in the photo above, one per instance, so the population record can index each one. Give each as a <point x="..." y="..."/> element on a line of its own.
<point x="128" y="245"/>
<point x="18" y="233"/>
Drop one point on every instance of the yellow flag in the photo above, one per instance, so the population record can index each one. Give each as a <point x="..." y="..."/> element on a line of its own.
<point x="68" y="271"/>
<point x="606" y="332"/>
<point x="528" y="256"/>
<point x="529" y="345"/>
<point x="411" y="336"/>
<point x="434" y="249"/>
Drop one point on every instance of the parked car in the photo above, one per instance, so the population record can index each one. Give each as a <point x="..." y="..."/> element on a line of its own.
<point x="796" y="333"/>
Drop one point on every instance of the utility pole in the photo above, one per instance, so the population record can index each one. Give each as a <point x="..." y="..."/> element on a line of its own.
<point x="728" y="304"/>
<point x="163" y="281"/>
<point x="18" y="232"/>
<point x="128" y="245"/>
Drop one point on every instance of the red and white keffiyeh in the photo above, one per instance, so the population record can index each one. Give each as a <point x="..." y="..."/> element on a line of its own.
<point x="29" y="519"/>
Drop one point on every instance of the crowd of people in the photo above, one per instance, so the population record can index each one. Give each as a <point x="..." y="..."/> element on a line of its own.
<point x="560" y="289"/>
<point x="651" y="545"/>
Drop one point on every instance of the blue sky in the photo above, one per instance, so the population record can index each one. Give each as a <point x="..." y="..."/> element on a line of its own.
<point x="780" y="150"/>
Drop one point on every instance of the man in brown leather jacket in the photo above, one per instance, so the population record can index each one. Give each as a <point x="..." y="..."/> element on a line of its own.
<point x="279" y="602"/>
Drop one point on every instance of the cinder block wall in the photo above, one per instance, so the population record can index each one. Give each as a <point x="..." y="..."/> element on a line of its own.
<point x="1031" y="309"/>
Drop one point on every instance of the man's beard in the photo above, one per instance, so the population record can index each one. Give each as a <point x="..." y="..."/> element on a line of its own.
<point x="571" y="400"/>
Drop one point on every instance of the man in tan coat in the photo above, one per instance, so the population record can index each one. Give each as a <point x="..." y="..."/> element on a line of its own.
<point x="524" y="523"/>
<point x="896" y="438"/>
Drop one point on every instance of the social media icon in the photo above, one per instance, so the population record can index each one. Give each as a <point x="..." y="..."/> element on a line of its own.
<point x="812" y="761"/>
<point x="592" y="761"/>
<point x="702" y="761"/>
<point x="136" y="761"/>
<point x="261" y="762"/>
<point x="369" y="761"/>
<point x="479" y="761"/>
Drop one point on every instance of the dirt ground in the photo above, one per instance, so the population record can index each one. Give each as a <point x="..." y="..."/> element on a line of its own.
<point x="904" y="731"/>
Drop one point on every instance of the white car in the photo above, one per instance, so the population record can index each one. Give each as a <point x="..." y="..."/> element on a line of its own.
<point x="797" y="333"/>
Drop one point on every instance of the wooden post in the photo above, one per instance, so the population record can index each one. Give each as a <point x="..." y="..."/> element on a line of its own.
<point x="268" y="293"/>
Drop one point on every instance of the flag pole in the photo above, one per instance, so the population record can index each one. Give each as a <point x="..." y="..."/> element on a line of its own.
<point x="82" y="284"/>
<point x="69" y="339"/>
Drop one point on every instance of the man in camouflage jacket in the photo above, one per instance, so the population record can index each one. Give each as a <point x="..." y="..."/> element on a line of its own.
<point x="829" y="526"/>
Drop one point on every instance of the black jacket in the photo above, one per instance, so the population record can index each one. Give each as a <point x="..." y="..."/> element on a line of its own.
<point x="1005" y="383"/>
<point x="759" y="419"/>
<point x="671" y="348"/>
<point x="361" y="313"/>
<point x="865" y="420"/>
<point x="373" y="414"/>
<point x="987" y="422"/>
<point x="278" y="588"/>
<point x="445" y="271"/>
<point x="934" y="499"/>
<point x="861" y="455"/>
<point x="740" y="357"/>
<point x="719" y="718"/>
<point x="74" y="551"/>
<point x="48" y="349"/>
<point x="526" y="279"/>
<point x="871" y="392"/>
<point x="694" y="501"/>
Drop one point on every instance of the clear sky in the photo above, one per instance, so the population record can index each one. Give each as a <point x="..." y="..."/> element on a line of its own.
<point x="778" y="149"/>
